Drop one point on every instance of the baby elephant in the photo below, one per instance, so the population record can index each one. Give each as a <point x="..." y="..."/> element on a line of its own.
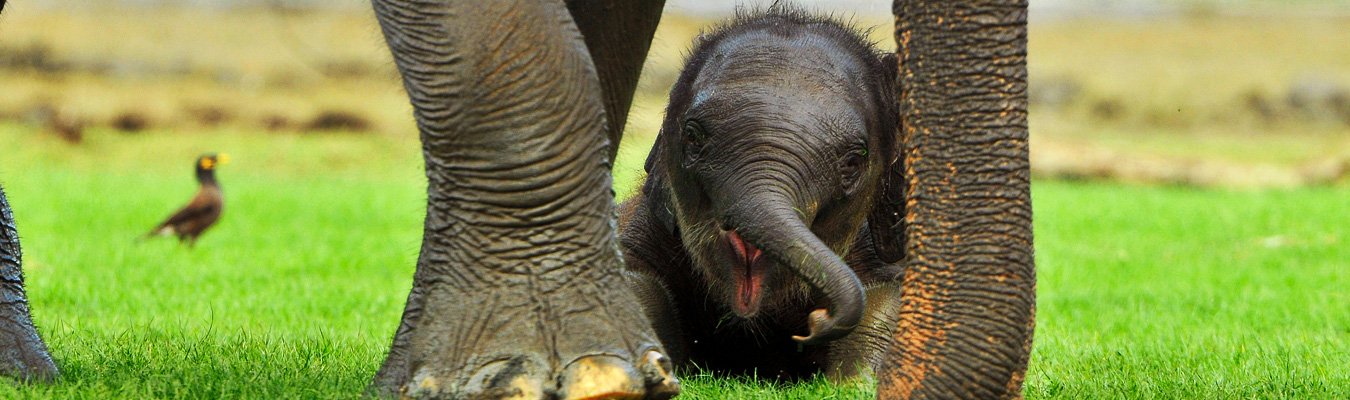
<point x="772" y="202"/>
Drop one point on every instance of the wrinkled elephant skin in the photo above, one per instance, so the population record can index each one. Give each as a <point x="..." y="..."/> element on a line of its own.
<point x="23" y="355"/>
<point x="518" y="291"/>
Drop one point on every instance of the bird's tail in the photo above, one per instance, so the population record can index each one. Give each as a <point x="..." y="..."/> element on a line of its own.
<point x="158" y="231"/>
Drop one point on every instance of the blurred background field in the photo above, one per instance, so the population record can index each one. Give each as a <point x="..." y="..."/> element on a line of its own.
<point x="1191" y="194"/>
<point x="1246" y="94"/>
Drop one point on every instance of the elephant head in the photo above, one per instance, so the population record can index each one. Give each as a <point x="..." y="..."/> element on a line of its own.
<point x="772" y="152"/>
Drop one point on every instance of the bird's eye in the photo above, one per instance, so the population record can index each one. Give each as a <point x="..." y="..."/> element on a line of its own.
<point x="694" y="140"/>
<point x="851" y="168"/>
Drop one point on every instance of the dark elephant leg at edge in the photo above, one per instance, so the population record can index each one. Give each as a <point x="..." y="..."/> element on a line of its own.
<point x="968" y="307"/>
<point x="23" y="354"/>
<point x="618" y="34"/>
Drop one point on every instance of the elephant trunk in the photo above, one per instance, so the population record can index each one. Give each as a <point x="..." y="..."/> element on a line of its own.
<point x="768" y="220"/>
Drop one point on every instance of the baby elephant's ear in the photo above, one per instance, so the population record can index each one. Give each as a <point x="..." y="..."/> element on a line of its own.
<point x="655" y="190"/>
<point x="886" y="221"/>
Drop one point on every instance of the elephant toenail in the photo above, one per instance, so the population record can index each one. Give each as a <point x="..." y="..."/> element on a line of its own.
<point x="600" y="377"/>
<point x="660" y="377"/>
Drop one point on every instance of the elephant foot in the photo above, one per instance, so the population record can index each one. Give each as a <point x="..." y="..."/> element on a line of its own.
<point x="591" y="377"/>
<point x="28" y="360"/>
<point x="549" y="336"/>
<point x="23" y="354"/>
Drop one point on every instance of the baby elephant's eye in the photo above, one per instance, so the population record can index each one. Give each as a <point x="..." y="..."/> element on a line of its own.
<point x="694" y="139"/>
<point x="851" y="169"/>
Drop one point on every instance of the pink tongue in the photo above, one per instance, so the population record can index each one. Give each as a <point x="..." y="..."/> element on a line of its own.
<point x="749" y="284"/>
<point x="748" y="252"/>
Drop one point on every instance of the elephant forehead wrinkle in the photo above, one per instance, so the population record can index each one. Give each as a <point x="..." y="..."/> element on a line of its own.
<point x="818" y="121"/>
<point x="782" y="85"/>
<point x="806" y="48"/>
<point x="809" y="68"/>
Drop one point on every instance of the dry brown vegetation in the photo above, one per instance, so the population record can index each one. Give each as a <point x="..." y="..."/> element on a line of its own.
<point x="1197" y="99"/>
<point x="1201" y="99"/>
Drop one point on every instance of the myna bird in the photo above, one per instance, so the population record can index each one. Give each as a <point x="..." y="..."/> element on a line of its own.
<point x="204" y="209"/>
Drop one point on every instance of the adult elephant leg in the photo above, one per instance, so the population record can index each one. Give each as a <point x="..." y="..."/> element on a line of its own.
<point x="968" y="296"/>
<point x="23" y="355"/>
<point x="518" y="291"/>
<point x="618" y="34"/>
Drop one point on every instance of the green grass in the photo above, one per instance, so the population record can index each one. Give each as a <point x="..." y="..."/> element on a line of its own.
<point x="1145" y="292"/>
<point x="1183" y="293"/>
<point x="294" y="294"/>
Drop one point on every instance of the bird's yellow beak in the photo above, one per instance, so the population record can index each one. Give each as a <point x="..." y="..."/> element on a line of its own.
<point x="209" y="163"/>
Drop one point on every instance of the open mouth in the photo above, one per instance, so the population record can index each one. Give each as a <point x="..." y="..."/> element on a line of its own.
<point x="747" y="274"/>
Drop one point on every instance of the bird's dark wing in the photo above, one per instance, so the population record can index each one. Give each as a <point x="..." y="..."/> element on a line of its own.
<point x="203" y="205"/>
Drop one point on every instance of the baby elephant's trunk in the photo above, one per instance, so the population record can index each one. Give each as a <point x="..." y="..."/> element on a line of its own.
<point x="768" y="220"/>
